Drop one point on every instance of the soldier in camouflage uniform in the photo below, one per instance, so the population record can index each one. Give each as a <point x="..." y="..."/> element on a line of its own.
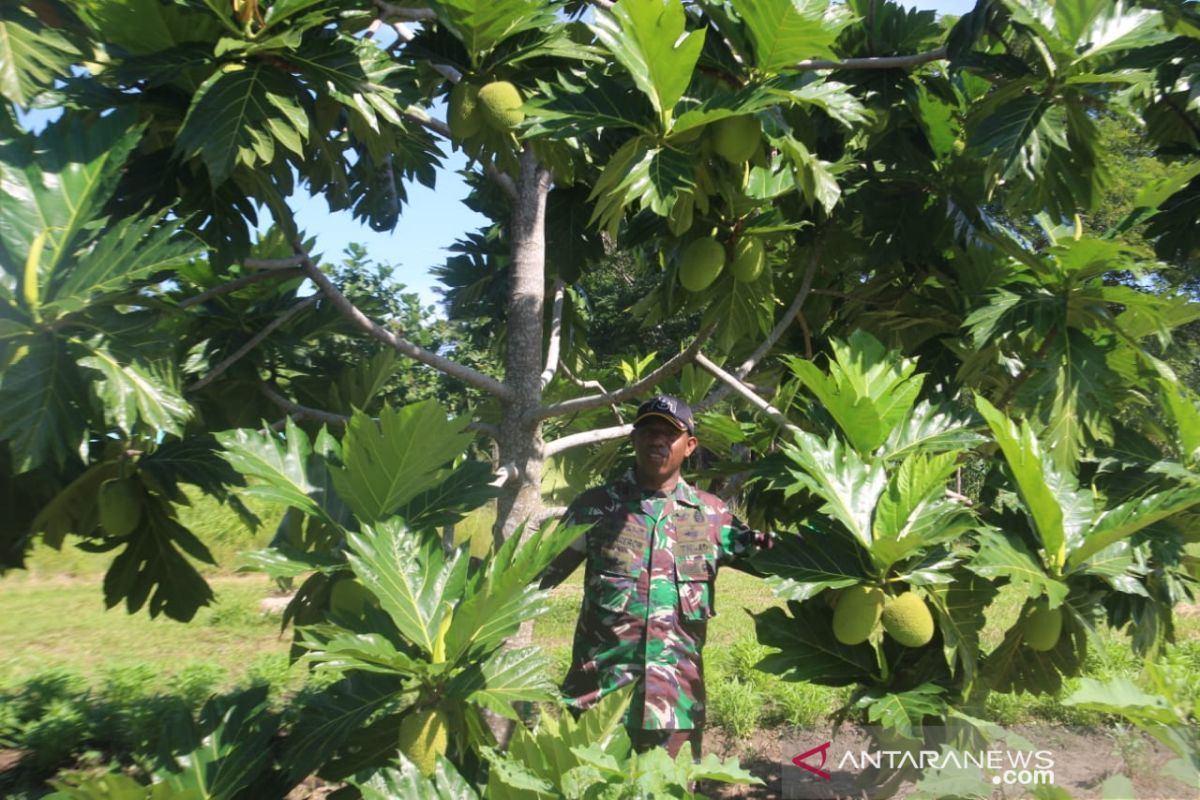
<point x="652" y="554"/>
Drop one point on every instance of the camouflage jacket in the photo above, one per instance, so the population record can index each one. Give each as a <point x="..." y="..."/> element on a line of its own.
<point x="652" y="562"/>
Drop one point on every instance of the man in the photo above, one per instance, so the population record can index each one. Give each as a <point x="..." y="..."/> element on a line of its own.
<point x="652" y="554"/>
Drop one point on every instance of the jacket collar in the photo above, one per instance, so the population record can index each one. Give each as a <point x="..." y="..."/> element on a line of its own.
<point x="627" y="489"/>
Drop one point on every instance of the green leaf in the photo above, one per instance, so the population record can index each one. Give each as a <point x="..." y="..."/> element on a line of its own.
<point x="913" y="511"/>
<point x="152" y="569"/>
<point x="1001" y="556"/>
<point x="237" y="117"/>
<point x="1122" y="697"/>
<point x="903" y="712"/>
<point x="287" y="472"/>
<point x="406" y="781"/>
<point x="868" y="390"/>
<point x="386" y="464"/>
<point x="929" y="429"/>
<point x="960" y="608"/>
<point x="413" y="579"/>
<point x="355" y="72"/>
<point x="1006" y="132"/>
<point x="129" y="251"/>
<point x="647" y="38"/>
<point x="785" y="32"/>
<point x="1099" y="29"/>
<point x="808" y="649"/>
<point x="812" y="561"/>
<point x="507" y="677"/>
<point x="849" y="486"/>
<point x="60" y="185"/>
<point x="1012" y="666"/>
<point x="134" y="392"/>
<point x="234" y="750"/>
<point x="1031" y="472"/>
<point x="504" y="593"/>
<point x="834" y="98"/>
<point x="282" y="561"/>
<point x="1121" y="521"/>
<point x="644" y="176"/>
<point x="196" y="460"/>
<point x="483" y="24"/>
<point x="576" y="108"/>
<point x="813" y="176"/>
<point x="32" y="56"/>
<point x="365" y="652"/>
<point x="329" y="716"/>
<point x="43" y="405"/>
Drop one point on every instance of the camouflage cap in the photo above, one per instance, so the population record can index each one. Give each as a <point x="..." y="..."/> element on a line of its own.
<point x="672" y="409"/>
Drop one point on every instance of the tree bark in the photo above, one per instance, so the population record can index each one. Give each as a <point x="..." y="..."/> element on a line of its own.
<point x="520" y="439"/>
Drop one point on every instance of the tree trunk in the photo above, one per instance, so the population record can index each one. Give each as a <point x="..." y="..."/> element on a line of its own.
<point x="520" y="430"/>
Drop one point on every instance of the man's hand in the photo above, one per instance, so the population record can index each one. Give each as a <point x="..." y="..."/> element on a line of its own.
<point x="758" y="540"/>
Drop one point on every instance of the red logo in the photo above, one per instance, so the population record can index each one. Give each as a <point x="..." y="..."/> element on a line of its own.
<point x="823" y="749"/>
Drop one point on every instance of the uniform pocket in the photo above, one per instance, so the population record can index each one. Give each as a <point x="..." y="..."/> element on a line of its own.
<point x="694" y="579"/>
<point x="611" y="591"/>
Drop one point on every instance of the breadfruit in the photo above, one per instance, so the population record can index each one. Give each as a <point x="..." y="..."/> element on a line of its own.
<point x="500" y="106"/>
<point x="748" y="259"/>
<point x="701" y="263"/>
<point x="348" y="596"/>
<point x="120" y="506"/>
<point x="857" y="614"/>
<point x="1044" y="627"/>
<point x="736" y="138"/>
<point x="423" y="737"/>
<point x="462" y="112"/>
<point x="907" y="620"/>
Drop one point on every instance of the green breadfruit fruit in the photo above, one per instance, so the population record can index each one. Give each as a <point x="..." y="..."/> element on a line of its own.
<point x="424" y="735"/>
<point x="701" y="263"/>
<point x="120" y="506"/>
<point x="1043" y="627"/>
<point x="749" y="257"/>
<point x="462" y="112"/>
<point x="348" y="596"/>
<point x="856" y="614"/>
<point x="907" y="620"/>
<point x="500" y="106"/>
<point x="736" y="138"/>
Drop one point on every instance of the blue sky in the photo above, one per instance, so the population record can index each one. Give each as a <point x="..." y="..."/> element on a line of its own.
<point x="433" y="220"/>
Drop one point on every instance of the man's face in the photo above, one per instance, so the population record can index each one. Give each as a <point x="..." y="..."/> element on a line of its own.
<point x="660" y="449"/>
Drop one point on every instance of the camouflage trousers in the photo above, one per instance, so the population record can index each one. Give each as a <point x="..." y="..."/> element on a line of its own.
<point x="672" y="740"/>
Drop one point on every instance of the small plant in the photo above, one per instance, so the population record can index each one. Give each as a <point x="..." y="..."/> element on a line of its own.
<point x="195" y="683"/>
<point x="736" y="705"/>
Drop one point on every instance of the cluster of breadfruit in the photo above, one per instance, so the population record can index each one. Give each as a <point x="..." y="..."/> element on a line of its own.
<point x="859" y="610"/>
<point x="705" y="258"/>
<point x="495" y="106"/>
<point x="736" y="140"/>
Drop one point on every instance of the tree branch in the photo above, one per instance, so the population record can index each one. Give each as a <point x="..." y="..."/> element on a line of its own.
<point x="555" y="334"/>
<point x="556" y="446"/>
<point x="235" y="285"/>
<point x="740" y="388"/>
<point x="669" y="368"/>
<point x="254" y="342"/>
<point x="403" y="34"/>
<point x="389" y="10"/>
<point x="793" y="310"/>
<point x="297" y="411"/>
<point x="399" y="343"/>
<point x="874" y="62"/>
<point x="272" y="263"/>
